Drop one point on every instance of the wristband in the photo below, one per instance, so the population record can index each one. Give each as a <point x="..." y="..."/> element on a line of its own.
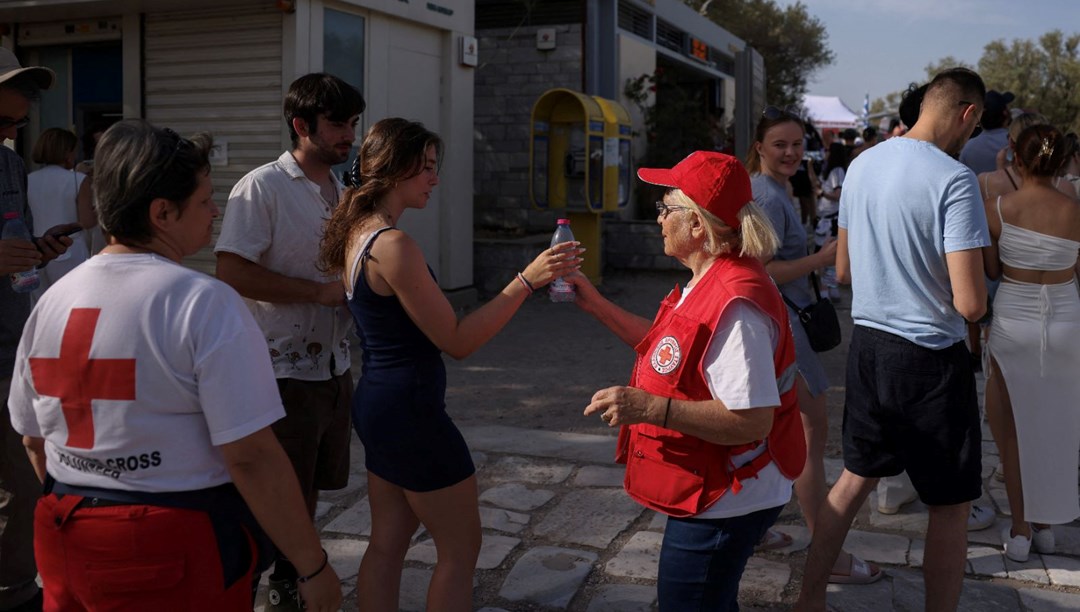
<point x="525" y="282"/>
<point x="667" y="411"/>
<point x="325" y="560"/>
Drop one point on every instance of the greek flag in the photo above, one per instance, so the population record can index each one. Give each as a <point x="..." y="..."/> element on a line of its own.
<point x="866" y="111"/>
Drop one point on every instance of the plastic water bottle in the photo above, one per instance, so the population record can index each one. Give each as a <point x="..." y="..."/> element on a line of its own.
<point x="21" y="282"/>
<point x="560" y="290"/>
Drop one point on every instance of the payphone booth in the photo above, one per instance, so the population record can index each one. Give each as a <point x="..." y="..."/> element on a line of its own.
<point x="579" y="161"/>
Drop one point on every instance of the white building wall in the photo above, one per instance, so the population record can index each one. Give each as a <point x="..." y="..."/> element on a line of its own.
<point x="217" y="71"/>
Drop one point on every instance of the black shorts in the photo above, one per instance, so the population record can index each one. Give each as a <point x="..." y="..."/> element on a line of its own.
<point x="315" y="431"/>
<point x="912" y="408"/>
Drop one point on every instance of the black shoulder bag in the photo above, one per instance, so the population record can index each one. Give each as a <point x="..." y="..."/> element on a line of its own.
<point x="819" y="320"/>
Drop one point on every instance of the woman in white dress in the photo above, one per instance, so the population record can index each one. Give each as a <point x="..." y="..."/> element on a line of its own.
<point x="51" y="192"/>
<point x="1035" y="233"/>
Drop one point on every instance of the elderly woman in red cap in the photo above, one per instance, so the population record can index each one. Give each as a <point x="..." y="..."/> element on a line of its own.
<point x="710" y="430"/>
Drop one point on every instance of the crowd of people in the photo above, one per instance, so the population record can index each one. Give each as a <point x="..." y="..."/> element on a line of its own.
<point x="165" y="434"/>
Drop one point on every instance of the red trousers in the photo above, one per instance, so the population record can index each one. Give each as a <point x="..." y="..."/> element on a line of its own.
<point x="137" y="558"/>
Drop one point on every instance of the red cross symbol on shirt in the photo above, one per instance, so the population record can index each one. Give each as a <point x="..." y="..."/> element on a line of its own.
<point x="665" y="354"/>
<point x="77" y="379"/>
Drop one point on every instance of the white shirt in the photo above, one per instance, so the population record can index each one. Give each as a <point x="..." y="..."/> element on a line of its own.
<point x="162" y="364"/>
<point x="275" y="218"/>
<point x="739" y="370"/>
<point x="51" y="192"/>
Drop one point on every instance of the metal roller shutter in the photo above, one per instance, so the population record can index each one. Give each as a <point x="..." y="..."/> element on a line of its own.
<point x="218" y="71"/>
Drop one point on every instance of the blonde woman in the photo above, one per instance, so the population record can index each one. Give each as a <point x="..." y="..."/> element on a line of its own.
<point x="710" y="430"/>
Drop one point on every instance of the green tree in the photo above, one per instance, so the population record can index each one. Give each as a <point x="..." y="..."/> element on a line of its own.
<point x="1044" y="75"/>
<point x="793" y="43"/>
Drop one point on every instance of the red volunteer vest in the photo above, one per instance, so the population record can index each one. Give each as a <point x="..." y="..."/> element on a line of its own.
<point x="678" y="474"/>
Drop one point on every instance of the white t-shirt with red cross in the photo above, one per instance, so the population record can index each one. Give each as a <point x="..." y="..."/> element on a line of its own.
<point x="135" y="369"/>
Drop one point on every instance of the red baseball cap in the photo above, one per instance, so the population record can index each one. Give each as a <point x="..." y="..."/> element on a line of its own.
<point x="714" y="181"/>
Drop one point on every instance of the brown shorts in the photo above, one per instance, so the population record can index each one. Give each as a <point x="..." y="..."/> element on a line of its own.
<point x="315" y="431"/>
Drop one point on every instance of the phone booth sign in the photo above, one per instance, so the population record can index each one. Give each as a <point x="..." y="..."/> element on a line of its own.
<point x="617" y="168"/>
<point x="579" y="160"/>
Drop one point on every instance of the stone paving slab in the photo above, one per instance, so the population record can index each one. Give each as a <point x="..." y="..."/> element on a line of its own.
<point x="567" y="492"/>
<point x="522" y="469"/>
<point x="984" y="561"/>
<point x="911" y="517"/>
<point x="568" y="446"/>
<point x="623" y="598"/>
<point x="1031" y="570"/>
<point x="1067" y="538"/>
<point x="548" y="576"/>
<point x="1039" y="600"/>
<point x="516" y="496"/>
<point x="916" y="553"/>
<point x="991" y="536"/>
<point x="355" y="520"/>
<point x="598" y="476"/>
<point x="763" y="580"/>
<point x="877" y="547"/>
<point x="591" y="517"/>
<point x="502" y="520"/>
<point x="494" y="549"/>
<point x="1062" y="571"/>
<point x="859" y="597"/>
<point x="638" y="558"/>
<point x="833" y="467"/>
<point x="414" y="586"/>
<point x="904" y="590"/>
<point x="658" y="522"/>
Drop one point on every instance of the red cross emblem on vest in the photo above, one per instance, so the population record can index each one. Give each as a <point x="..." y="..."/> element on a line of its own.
<point x="77" y="379"/>
<point x="667" y="355"/>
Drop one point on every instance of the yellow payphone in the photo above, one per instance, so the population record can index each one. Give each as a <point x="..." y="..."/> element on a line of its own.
<point x="579" y="160"/>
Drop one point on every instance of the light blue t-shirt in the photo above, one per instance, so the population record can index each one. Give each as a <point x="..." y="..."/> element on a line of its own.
<point x="772" y="197"/>
<point x="905" y="204"/>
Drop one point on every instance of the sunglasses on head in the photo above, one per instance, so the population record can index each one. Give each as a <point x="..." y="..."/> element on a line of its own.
<point x="774" y="112"/>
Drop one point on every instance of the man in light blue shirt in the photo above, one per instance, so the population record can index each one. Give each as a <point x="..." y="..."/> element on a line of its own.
<point x="912" y="228"/>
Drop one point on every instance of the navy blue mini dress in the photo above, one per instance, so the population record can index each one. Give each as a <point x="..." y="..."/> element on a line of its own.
<point x="399" y="408"/>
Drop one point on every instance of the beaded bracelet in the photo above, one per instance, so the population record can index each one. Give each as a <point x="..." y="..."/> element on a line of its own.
<point x="525" y="282"/>
<point x="325" y="560"/>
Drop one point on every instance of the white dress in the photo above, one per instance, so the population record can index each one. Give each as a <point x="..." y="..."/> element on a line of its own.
<point x="1035" y="339"/>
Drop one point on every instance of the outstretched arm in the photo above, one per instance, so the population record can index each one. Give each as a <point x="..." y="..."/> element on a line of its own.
<point x="397" y="259"/>
<point x="629" y="327"/>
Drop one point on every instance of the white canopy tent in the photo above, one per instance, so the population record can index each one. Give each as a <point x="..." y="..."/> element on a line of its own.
<point x="830" y="113"/>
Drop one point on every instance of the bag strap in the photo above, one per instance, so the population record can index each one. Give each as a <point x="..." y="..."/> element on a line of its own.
<point x="817" y="294"/>
<point x="817" y="287"/>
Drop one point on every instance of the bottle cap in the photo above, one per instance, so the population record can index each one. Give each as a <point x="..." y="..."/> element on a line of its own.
<point x="563" y="222"/>
<point x="11" y="215"/>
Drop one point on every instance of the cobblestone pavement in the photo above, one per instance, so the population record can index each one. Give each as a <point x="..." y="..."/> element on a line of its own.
<point x="560" y="534"/>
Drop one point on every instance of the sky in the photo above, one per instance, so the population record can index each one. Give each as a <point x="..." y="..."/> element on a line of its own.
<point x="883" y="45"/>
